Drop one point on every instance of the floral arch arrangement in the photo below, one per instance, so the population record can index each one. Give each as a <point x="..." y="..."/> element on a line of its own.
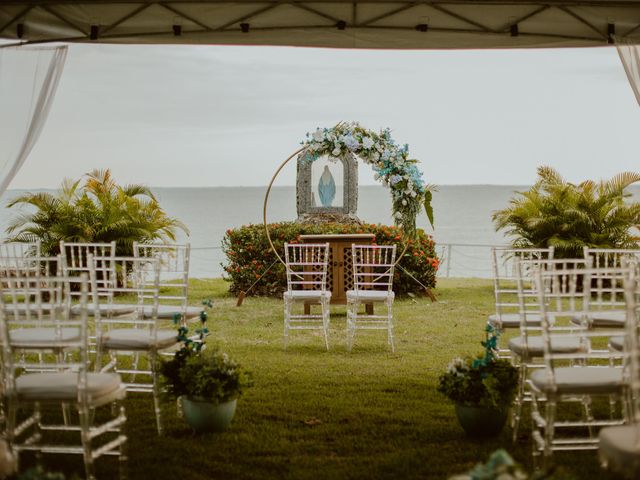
<point x="390" y="162"/>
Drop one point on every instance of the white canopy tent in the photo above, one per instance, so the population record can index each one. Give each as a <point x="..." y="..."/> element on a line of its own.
<point x="394" y="24"/>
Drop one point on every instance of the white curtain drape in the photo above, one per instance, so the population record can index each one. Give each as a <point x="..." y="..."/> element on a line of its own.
<point x="630" y="57"/>
<point x="29" y="78"/>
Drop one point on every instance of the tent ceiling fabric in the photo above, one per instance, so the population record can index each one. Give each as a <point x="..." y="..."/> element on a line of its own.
<point x="326" y="23"/>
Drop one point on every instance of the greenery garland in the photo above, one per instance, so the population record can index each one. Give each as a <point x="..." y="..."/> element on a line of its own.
<point x="390" y="161"/>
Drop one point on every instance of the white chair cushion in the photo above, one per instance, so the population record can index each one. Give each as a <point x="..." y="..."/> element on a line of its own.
<point x="137" y="339"/>
<point x="307" y="294"/>
<point x="105" y="309"/>
<point x="168" y="311"/>
<point x="64" y="386"/>
<point x="620" y="448"/>
<point x="512" y="320"/>
<point x="42" y="337"/>
<point x="617" y="343"/>
<point x="604" y="319"/>
<point x="535" y="345"/>
<point x="164" y="311"/>
<point x="580" y="380"/>
<point x="370" y="295"/>
<point x="21" y="308"/>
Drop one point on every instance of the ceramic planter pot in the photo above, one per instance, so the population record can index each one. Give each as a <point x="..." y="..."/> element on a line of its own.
<point x="204" y="416"/>
<point x="481" y="421"/>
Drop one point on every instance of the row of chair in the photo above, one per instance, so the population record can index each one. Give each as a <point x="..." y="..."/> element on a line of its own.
<point x="45" y="310"/>
<point x="571" y="316"/>
<point x="307" y="271"/>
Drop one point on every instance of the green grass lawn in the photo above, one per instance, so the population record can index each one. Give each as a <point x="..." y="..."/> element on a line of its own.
<point x="314" y="414"/>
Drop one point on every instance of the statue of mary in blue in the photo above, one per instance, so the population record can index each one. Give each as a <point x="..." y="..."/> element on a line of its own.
<point x="326" y="188"/>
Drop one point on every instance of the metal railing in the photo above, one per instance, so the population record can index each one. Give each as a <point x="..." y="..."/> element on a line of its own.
<point x="456" y="260"/>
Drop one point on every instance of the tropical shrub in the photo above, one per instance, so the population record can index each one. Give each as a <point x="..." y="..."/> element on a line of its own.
<point x="94" y="210"/>
<point x="556" y="213"/>
<point x="249" y="254"/>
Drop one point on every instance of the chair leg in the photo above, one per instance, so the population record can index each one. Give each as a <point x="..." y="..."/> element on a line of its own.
<point x="122" y="458"/>
<point x="549" y="431"/>
<point x="390" y="326"/>
<point x="325" y="322"/>
<point x="516" y="412"/>
<point x="153" y="359"/>
<point x="352" y="314"/>
<point x="85" y="425"/>
<point x="287" y="313"/>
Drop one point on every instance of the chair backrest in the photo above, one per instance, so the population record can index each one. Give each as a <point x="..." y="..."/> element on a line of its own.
<point x="128" y="276"/>
<point x="373" y="267"/>
<point x="608" y="293"/>
<point x="505" y="275"/>
<point x="564" y="296"/>
<point x="29" y="293"/>
<point x="306" y="266"/>
<point x="20" y="249"/>
<point x="29" y="267"/>
<point x="75" y="256"/>
<point x="528" y="298"/>
<point x="174" y="268"/>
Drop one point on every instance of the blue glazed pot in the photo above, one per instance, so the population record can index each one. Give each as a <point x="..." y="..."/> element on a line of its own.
<point x="205" y="416"/>
<point x="481" y="421"/>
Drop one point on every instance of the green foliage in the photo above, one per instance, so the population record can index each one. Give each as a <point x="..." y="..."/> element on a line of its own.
<point x="556" y="213"/>
<point x="501" y="466"/>
<point x="98" y="210"/>
<point x="210" y="376"/>
<point x="194" y="373"/>
<point x="484" y="381"/>
<point x="249" y="254"/>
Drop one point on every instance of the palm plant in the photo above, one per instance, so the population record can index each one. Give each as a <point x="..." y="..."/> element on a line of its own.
<point x="98" y="210"/>
<point x="556" y="213"/>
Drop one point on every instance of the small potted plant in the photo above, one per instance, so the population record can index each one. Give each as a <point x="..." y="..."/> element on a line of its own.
<point x="482" y="387"/>
<point x="206" y="384"/>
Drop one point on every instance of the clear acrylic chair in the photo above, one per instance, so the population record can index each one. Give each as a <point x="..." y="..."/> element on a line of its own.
<point x="608" y="301"/>
<point x="67" y="380"/>
<point x="505" y="291"/>
<point x="128" y="340"/>
<point x="306" y="268"/>
<point x="563" y="296"/>
<point x="527" y="350"/>
<point x="20" y="249"/>
<point x="75" y="261"/>
<point x="373" y="267"/>
<point x="619" y="446"/>
<point x="174" y="278"/>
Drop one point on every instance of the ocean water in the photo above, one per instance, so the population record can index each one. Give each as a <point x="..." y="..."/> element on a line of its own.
<point x="463" y="227"/>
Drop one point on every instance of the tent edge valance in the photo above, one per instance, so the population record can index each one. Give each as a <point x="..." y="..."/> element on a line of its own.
<point x="368" y="24"/>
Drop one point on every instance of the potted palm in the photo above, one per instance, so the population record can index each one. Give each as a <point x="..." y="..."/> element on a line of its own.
<point x="482" y="387"/>
<point x="206" y="383"/>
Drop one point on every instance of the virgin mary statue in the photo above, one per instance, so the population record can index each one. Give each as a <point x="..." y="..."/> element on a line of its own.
<point x="326" y="187"/>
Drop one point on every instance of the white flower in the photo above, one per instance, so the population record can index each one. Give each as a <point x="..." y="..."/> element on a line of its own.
<point x="367" y="143"/>
<point x="318" y="135"/>
<point x="336" y="151"/>
<point x="404" y="202"/>
<point x="375" y="157"/>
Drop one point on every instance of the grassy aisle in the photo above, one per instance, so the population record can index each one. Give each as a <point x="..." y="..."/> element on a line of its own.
<point x="315" y="414"/>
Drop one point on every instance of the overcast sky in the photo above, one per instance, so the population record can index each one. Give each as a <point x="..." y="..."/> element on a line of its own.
<point x="216" y="116"/>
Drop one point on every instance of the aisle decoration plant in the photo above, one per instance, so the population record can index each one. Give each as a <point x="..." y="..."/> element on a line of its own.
<point x="206" y="383"/>
<point x="484" y="382"/>
<point x="390" y="162"/>
<point x="249" y="255"/>
<point x="569" y="217"/>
